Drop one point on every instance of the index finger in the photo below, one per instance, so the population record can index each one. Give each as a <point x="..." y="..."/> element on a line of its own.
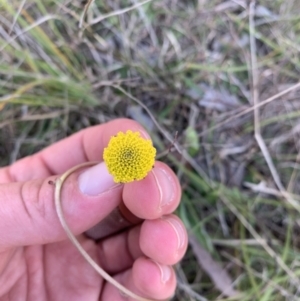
<point x="86" y="145"/>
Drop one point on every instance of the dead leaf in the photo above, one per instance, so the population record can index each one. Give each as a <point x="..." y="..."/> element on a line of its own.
<point x="220" y="100"/>
<point x="138" y="114"/>
<point x="214" y="270"/>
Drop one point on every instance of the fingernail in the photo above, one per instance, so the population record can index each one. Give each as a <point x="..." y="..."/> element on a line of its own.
<point x="95" y="180"/>
<point x="179" y="230"/>
<point x="165" y="272"/>
<point x="165" y="186"/>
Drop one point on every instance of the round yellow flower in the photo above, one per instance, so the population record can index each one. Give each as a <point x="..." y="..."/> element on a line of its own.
<point x="129" y="157"/>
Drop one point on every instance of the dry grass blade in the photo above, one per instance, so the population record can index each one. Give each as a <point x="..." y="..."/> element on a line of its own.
<point x="218" y="275"/>
<point x="86" y="7"/>
<point x="58" y="188"/>
<point x="30" y="27"/>
<point x="2" y="105"/>
<point x="16" y="16"/>
<point x="118" y="12"/>
<point x="249" y="110"/>
<point x="51" y="115"/>
<point x="263" y="277"/>
<point x="262" y="241"/>
<point x="255" y="97"/>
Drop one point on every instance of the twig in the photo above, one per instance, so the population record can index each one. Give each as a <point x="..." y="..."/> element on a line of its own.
<point x="58" y="187"/>
<point x="172" y="144"/>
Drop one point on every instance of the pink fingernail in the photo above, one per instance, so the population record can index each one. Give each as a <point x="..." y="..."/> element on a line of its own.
<point x="179" y="230"/>
<point x="165" y="272"/>
<point x="95" y="180"/>
<point x="165" y="185"/>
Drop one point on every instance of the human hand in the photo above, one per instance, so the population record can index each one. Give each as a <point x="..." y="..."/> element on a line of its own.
<point x="38" y="262"/>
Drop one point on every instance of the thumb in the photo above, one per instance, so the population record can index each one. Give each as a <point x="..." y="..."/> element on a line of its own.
<point x="28" y="214"/>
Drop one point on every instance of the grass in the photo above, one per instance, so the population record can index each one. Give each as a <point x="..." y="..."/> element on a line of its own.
<point x="170" y="56"/>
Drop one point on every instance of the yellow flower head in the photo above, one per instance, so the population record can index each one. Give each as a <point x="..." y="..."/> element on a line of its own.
<point x="129" y="157"/>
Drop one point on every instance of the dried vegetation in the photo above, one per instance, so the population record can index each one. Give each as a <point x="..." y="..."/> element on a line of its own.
<point x="224" y="74"/>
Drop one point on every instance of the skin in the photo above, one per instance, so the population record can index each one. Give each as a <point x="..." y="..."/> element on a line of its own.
<point x="37" y="261"/>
